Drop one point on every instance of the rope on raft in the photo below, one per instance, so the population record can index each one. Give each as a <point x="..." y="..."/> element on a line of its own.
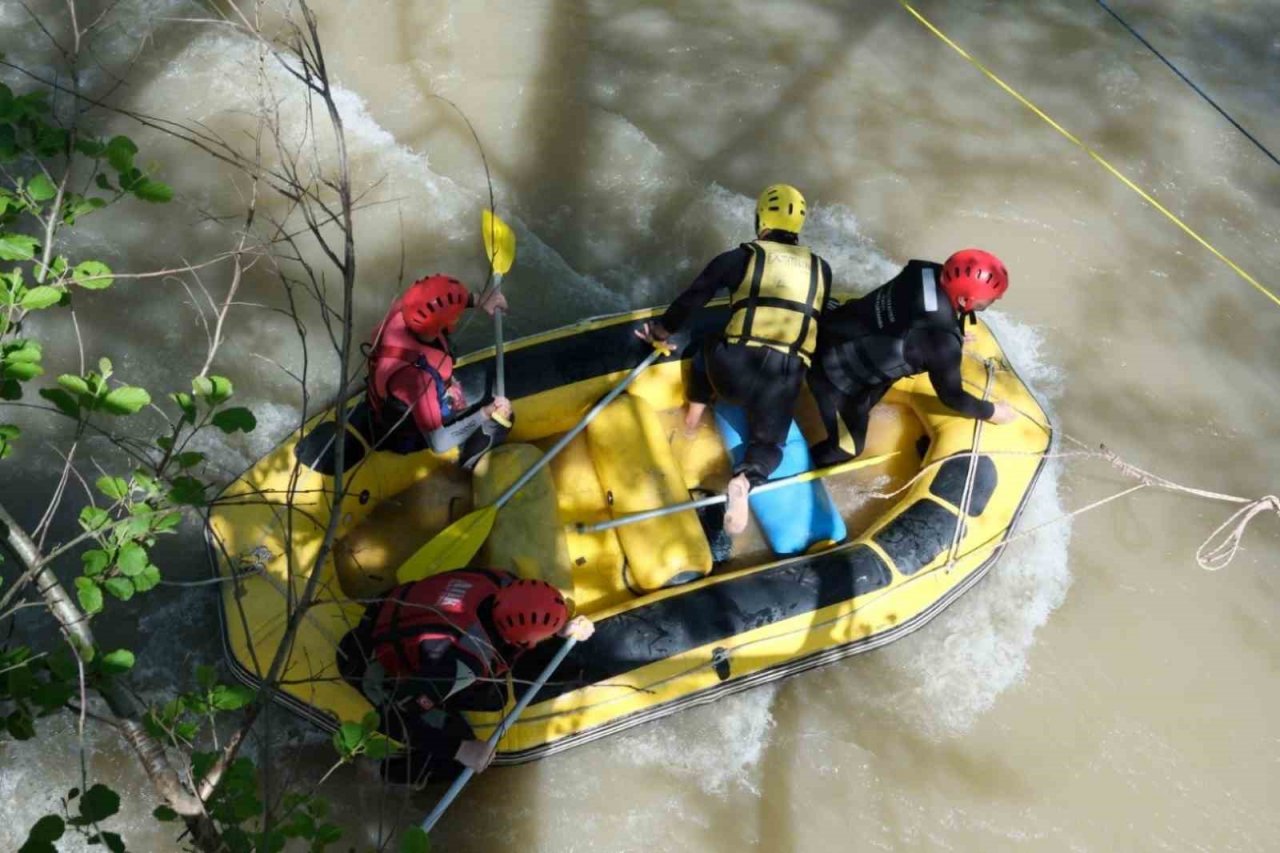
<point x="1214" y="554"/>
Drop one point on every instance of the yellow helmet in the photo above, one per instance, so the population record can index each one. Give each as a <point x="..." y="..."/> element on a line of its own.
<point x="780" y="207"/>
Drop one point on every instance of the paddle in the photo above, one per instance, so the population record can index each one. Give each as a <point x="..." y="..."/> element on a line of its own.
<point x="500" y="247"/>
<point x="805" y="477"/>
<point x="507" y="722"/>
<point x="454" y="546"/>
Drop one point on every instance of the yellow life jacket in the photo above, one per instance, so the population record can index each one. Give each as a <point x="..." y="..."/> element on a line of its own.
<point x="778" y="301"/>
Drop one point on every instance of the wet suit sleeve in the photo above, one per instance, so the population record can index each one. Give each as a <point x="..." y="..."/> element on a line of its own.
<point x="724" y="271"/>
<point x="943" y="354"/>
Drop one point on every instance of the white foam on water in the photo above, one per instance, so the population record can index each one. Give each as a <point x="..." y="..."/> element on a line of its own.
<point x="716" y="747"/>
<point x="941" y="681"/>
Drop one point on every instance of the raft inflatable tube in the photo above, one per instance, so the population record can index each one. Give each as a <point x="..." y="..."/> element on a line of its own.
<point x="673" y="628"/>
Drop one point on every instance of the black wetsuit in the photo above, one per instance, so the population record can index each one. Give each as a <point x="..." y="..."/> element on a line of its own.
<point x="424" y="711"/>
<point x="763" y="381"/>
<point x="902" y="328"/>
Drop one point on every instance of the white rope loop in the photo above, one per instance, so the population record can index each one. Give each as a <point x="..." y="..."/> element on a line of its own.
<point x="1213" y="557"/>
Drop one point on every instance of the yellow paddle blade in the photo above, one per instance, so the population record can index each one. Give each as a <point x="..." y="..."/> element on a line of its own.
<point x="451" y="548"/>
<point x="499" y="241"/>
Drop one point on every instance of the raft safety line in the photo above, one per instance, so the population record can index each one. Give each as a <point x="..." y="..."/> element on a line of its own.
<point x="1094" y="154"/>
<point x="1188" y="81"/>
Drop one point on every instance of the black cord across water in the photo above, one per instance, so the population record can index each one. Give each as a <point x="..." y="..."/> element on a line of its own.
<point x="1188" y="81"/>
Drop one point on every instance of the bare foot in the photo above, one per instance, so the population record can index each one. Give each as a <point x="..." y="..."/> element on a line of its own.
<point x="692" y="418"/>
<point x="737" y="510"/>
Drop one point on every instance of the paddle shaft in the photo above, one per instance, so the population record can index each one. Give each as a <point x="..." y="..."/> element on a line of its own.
<point x="507" y="722"/>
<point x="796" y="479"/>
<point x="500" y="383"/>
<point x="571" y="434"/>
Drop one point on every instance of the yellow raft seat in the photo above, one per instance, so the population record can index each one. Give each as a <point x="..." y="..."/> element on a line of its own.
<point x="639" y="472"/>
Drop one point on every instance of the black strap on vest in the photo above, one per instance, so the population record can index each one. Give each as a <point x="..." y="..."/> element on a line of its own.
<point x="754" y="300"/>
<point x="753" y="296"/>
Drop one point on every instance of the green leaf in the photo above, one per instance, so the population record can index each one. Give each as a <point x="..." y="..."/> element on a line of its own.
<point x="89" y="594"/>
<point x="114" y="663"/>
<point x="222" y="390"/>
<point x="378" y="747"/>
<point x="22" y="370"/>
<point x="23" y="350"/>
<point x="189" y="459"/>
<point x="48" y="828"/>
<point x="99" y="803"/>
<point x="64" y="401"/>
<point x="230" y="697"/>
<point x="20" y="725"/>
<point x="238" y="419"/>
<point x="8" y="432"/>
<point x="40" y="297"/>
<point x="116" y="488"/>
<point x="125" y="400"/>
<point x="120" y="151"/>
<point x="149" y="189"/>
<point x="132" y="559"/>
<point x="348" y="738"/>
<point x="164" y="813"/>
<point x="92" y="275"/>
<point x="147" y="579"/>
<point x="206" y="677"/>
<point x="186" y="404"/>
<point x="202" y="386"/>
<point x="167" y="522"/>
<point x="121" y="588"/>
<point x="188" y="491"/>
<point x="104" y="365"/>
<point x="415" y="840"/>
<point x="95" y="561"/>
<point x="91" y="147"/>
<point x="52" y="695"/>
<point x="114" y="842"/>
<point x="74" y="384"/>
<point x="104" y="183"/>
<point x="17" y="247"/>
<point x="40" y="188"/>
<point x="94" y="518"/>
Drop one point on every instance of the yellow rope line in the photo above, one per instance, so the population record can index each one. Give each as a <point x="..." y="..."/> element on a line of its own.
<point x="1094" y="154"/>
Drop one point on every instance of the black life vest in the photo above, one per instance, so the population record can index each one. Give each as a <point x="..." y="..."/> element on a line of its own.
<point x="442" y="607"/>
<point x="863" y="342"/>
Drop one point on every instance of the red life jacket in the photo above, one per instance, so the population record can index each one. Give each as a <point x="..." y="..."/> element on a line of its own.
<point x="442" y="607"/>
<point x="395" y="349"/>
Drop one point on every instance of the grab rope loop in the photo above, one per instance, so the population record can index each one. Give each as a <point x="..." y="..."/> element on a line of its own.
<point x="1213" y="557"/>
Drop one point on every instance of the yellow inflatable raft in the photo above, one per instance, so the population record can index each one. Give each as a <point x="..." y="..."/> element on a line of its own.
<point x="673" y="627"/>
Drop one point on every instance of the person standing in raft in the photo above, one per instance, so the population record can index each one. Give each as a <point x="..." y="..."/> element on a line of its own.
<point x="777" y="292"/>
<point x="443" y="645"/>
<point x="415" y="402"/>
<point x="913" y="324"/>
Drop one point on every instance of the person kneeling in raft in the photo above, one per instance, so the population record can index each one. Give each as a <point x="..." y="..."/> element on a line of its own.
<point x="442" y="645"/>
<point x="777" y="292"/>
<point x="415" y="401"/>
<point x="910" y="325"/>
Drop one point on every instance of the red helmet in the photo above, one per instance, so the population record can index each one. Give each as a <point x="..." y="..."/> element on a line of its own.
<point x="528" y="612"/>
<point x="432" y="305"/>
<point x="975" y="274"/>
